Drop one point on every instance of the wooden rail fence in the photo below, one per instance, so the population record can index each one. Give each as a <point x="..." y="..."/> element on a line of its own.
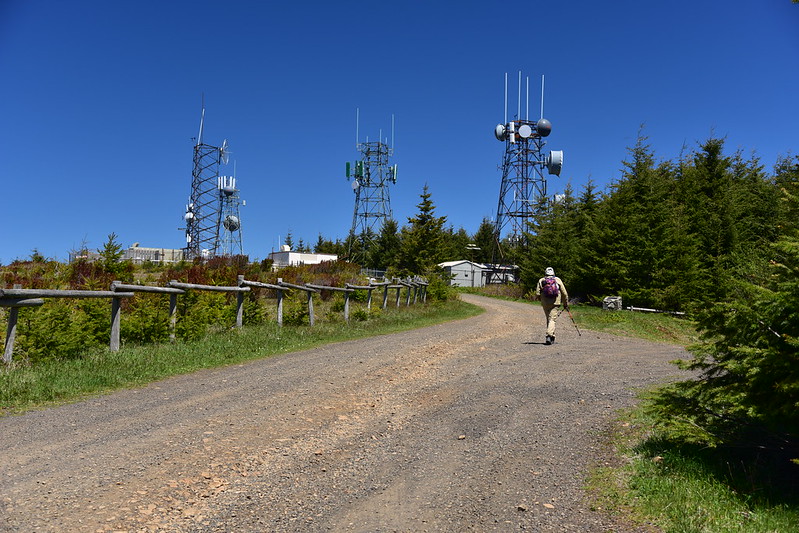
<point x="17" y="298"/>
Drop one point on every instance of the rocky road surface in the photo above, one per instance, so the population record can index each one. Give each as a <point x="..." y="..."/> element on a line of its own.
<point x="473" y="425"/>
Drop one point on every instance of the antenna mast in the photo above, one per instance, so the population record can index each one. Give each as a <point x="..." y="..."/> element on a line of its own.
<point x="523" y="191"/>
<point x="203" y="210"/>
<point x="371" y="176"/>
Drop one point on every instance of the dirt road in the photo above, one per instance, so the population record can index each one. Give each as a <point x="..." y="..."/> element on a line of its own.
<point x="474" y="425"/>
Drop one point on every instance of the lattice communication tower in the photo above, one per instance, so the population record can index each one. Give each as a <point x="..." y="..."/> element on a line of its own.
<point x="202" y="211"/>
<point x="370" y="177"/>
<point x="228" y="224"/>
<point x="523" y="179"/>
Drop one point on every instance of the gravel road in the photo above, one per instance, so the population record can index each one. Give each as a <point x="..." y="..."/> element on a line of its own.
<point x="473" y="425"/>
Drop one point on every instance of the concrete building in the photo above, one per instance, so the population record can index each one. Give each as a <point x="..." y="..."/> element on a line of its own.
<point x="285" y="257"/>
<point x="464" y="273"/>
<point x="135" y="254"/>
<point x="138" y="254"/>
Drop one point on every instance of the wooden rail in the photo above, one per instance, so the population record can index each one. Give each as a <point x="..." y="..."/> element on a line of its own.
<point x="173" y="305"/>
<point x="17" y="298"/>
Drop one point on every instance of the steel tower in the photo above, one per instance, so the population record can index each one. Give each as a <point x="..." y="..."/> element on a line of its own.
<point x="370" y="179"/>
<point x="201" y="215"/>
<point x="523" y="180"/>
<point x="228" y="222"/>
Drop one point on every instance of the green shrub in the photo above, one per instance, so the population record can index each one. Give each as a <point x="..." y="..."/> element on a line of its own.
<point x="359" y="315"/>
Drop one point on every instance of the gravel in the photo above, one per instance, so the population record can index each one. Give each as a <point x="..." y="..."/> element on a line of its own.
<point x="474" y="425"/>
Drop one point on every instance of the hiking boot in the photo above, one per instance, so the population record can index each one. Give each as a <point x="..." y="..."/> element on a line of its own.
<point x="549" y="340"/>
<point x="552" y="339"/>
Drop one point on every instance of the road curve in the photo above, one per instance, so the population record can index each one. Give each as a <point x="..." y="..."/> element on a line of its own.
<point x="473" y="425"/>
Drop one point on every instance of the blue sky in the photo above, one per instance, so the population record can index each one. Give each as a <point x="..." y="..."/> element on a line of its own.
<point x="99" y="102"/>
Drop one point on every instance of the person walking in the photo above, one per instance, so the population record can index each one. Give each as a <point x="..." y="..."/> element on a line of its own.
<point x="552" y="292"/>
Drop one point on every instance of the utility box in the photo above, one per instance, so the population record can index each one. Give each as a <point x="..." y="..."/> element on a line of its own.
<point x="612" y="303"/>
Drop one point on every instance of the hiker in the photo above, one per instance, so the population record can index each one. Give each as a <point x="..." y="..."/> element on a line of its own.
<point x="552" y="292"/>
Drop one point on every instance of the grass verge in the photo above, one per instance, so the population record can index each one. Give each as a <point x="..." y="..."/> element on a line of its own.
<point x="58" y="381"/>
<point x="655" y="327"/>
<point x="663" y="481"/>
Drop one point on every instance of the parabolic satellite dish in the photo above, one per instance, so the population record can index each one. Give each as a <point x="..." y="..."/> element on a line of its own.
<point x="499" y="132"/>
<point x="355" y="185"/>
<point x="525" y="131"/>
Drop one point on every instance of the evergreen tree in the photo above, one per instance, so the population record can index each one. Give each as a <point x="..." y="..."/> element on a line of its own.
<point x="583" y="280"/>
<point x="111" y="254"/>
<point x="484" y="239"/>
<point x="786" y="178"/>
<point x="749" y="362"/>
<point x="552" y="241"/>
<point x="632" y="235"/>
<point x="455" y="245"/>
<point x="383" y="254"/>
<point x="706" y="184"/>
<point x="423" y="242"/>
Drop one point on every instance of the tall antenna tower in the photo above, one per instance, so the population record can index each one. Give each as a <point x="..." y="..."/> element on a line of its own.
<point x="228" y="241"/>
<point x="202" y="215"/>
<point x="523" y="180"/>
<point x="370" y="178"/>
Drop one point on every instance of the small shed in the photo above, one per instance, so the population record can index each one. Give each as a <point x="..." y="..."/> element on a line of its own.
<point x="464" y="273"/>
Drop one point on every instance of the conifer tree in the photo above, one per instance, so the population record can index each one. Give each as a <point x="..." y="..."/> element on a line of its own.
<point x="552" y="240"/>
<point x="383" y="253"/>
<point x="632" y="229"/>
<point x="423" y="244"/>
<point x="484" y="239"/>
<point x="749" y="362"/>
<point x="584" y="275"/>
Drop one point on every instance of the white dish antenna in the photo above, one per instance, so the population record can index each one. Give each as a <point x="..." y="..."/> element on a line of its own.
<point x="554" y="162"/>
<point x="355" y="185"/>
<point x="224" y="152"/>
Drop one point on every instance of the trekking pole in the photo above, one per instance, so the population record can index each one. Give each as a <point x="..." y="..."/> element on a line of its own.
<point x="573" y="322"/>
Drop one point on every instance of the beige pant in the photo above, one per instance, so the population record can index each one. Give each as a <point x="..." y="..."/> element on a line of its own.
<point x="551" y="312"/>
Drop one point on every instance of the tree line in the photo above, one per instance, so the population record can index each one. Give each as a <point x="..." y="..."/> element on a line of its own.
<point x="710" y="233"/>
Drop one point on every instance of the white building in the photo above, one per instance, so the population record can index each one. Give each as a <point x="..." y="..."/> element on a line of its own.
<point x="285" y="257"/>
<point x="464" y="273"/>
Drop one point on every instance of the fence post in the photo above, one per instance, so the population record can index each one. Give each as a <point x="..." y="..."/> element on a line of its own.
<point x="239" y="309"/>
<point x="116" y="306"/>
<point x="347" y="307"/>
<point x="13" y="317"/>
<point x="240" y="303"/>
<point x="408" y="297"/>
<point x="369" y="301"/>
<point x="279" y="304"/>
<point x="310" y="307"/>
<point x="385" y="296"/>
<point x="173" y="315"/>
<point x="11" y="333"/>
